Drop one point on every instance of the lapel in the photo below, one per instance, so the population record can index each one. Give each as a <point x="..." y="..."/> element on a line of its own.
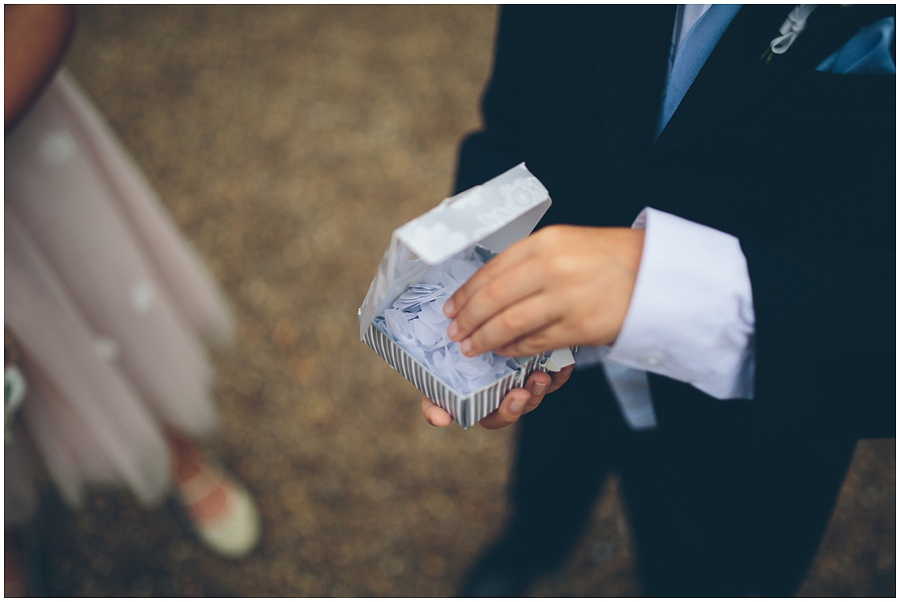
<point x="630" y="47"/>
<point x="735" y="76"/>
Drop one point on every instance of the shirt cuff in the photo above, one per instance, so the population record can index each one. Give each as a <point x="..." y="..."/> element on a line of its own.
<point x="691" y="314"/>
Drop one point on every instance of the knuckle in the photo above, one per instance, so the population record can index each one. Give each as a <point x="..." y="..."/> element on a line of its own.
<point x="552" y="233"/>
<point x="533" y="405"/>
<point x="558" y="236"/>
<point x="492" y="292"/>
<point x="511" y="322"/>
<point x="560" y="263"/>
<point x="463" y="322"/>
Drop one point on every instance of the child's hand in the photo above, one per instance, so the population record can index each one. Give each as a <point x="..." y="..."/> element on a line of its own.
<point x="563" y="286"/>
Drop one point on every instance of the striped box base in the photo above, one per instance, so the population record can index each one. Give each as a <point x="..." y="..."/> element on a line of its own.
<point x="467" y="410"/>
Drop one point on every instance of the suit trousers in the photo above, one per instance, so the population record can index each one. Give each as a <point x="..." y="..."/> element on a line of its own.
<point x="715" y="508"/>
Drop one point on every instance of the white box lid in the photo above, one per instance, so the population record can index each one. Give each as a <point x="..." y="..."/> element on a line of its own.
<point x="493" y="215"/>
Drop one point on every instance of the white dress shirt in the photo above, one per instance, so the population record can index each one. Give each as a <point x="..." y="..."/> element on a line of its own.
<point x="691" y="318"/>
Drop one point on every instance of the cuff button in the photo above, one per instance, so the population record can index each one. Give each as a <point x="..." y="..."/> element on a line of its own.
<point x="651" y="359"/>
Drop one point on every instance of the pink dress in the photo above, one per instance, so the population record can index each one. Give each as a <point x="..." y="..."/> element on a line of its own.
<point x="109" y="306"/>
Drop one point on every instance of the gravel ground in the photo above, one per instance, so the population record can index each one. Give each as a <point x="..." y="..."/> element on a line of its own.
<point x="288" y="143"/>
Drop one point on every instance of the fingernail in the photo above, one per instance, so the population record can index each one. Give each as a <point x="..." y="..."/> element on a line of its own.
<point x="449" y="306"/>
<point x="517" y="405"/>
<point x="453" y="329"/>
<point x="538" y="388"/>
<point x="466" y="346"/>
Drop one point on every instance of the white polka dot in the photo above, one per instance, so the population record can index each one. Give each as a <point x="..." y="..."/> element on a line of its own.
<point x="106" y="348"/>
<point x="58" y="148"/>
<point x="143" y="296"/>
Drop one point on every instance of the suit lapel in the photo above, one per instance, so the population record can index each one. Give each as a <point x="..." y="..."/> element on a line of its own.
<point x="631" y="50"/>
<point x="735" y="76"/>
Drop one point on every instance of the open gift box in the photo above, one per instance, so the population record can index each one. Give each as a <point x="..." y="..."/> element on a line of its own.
<point x="428" y="258"/>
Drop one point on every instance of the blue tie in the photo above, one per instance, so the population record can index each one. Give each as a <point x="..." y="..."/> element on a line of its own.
<point x="696" y="47"/>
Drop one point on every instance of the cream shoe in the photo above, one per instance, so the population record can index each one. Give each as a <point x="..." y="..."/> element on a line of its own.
<point x="236" y="531"/>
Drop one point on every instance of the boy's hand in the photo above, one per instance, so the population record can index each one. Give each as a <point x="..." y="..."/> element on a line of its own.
<point x="560" y="287"/>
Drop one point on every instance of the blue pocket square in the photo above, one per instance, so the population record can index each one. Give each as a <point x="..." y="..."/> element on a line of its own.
<point x="867" y="53"/>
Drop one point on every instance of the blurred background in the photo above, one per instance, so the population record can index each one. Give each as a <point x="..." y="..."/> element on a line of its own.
<point x="288" y="142"/>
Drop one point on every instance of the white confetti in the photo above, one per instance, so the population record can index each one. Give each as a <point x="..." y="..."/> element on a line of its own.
<point x="417" y="323"/>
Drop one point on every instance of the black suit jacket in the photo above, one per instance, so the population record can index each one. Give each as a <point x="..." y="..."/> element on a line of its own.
<point x="798" y="164"/>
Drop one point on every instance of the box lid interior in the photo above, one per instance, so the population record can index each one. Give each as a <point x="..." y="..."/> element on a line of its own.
<point x="493" y="215"/>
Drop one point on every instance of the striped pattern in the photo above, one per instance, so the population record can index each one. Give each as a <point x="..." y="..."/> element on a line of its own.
<point x="467" y="411"/>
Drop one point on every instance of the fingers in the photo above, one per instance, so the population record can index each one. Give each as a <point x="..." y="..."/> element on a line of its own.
<point x="523" y="328"/>
<point x="505" y="301"/>
<point x="434" y="415"/>
<point x="499" y="267"/>
<point x="518" y="402"/>
<point x="561" y="286"/>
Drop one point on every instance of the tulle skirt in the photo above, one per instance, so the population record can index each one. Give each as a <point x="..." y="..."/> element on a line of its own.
<point x="109" y="306"/>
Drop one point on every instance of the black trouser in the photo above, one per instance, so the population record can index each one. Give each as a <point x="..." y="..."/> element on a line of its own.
<point x="715" y="509"/>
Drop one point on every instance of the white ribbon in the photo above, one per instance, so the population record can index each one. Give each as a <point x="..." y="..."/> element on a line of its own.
<point x="791" y="28"/>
